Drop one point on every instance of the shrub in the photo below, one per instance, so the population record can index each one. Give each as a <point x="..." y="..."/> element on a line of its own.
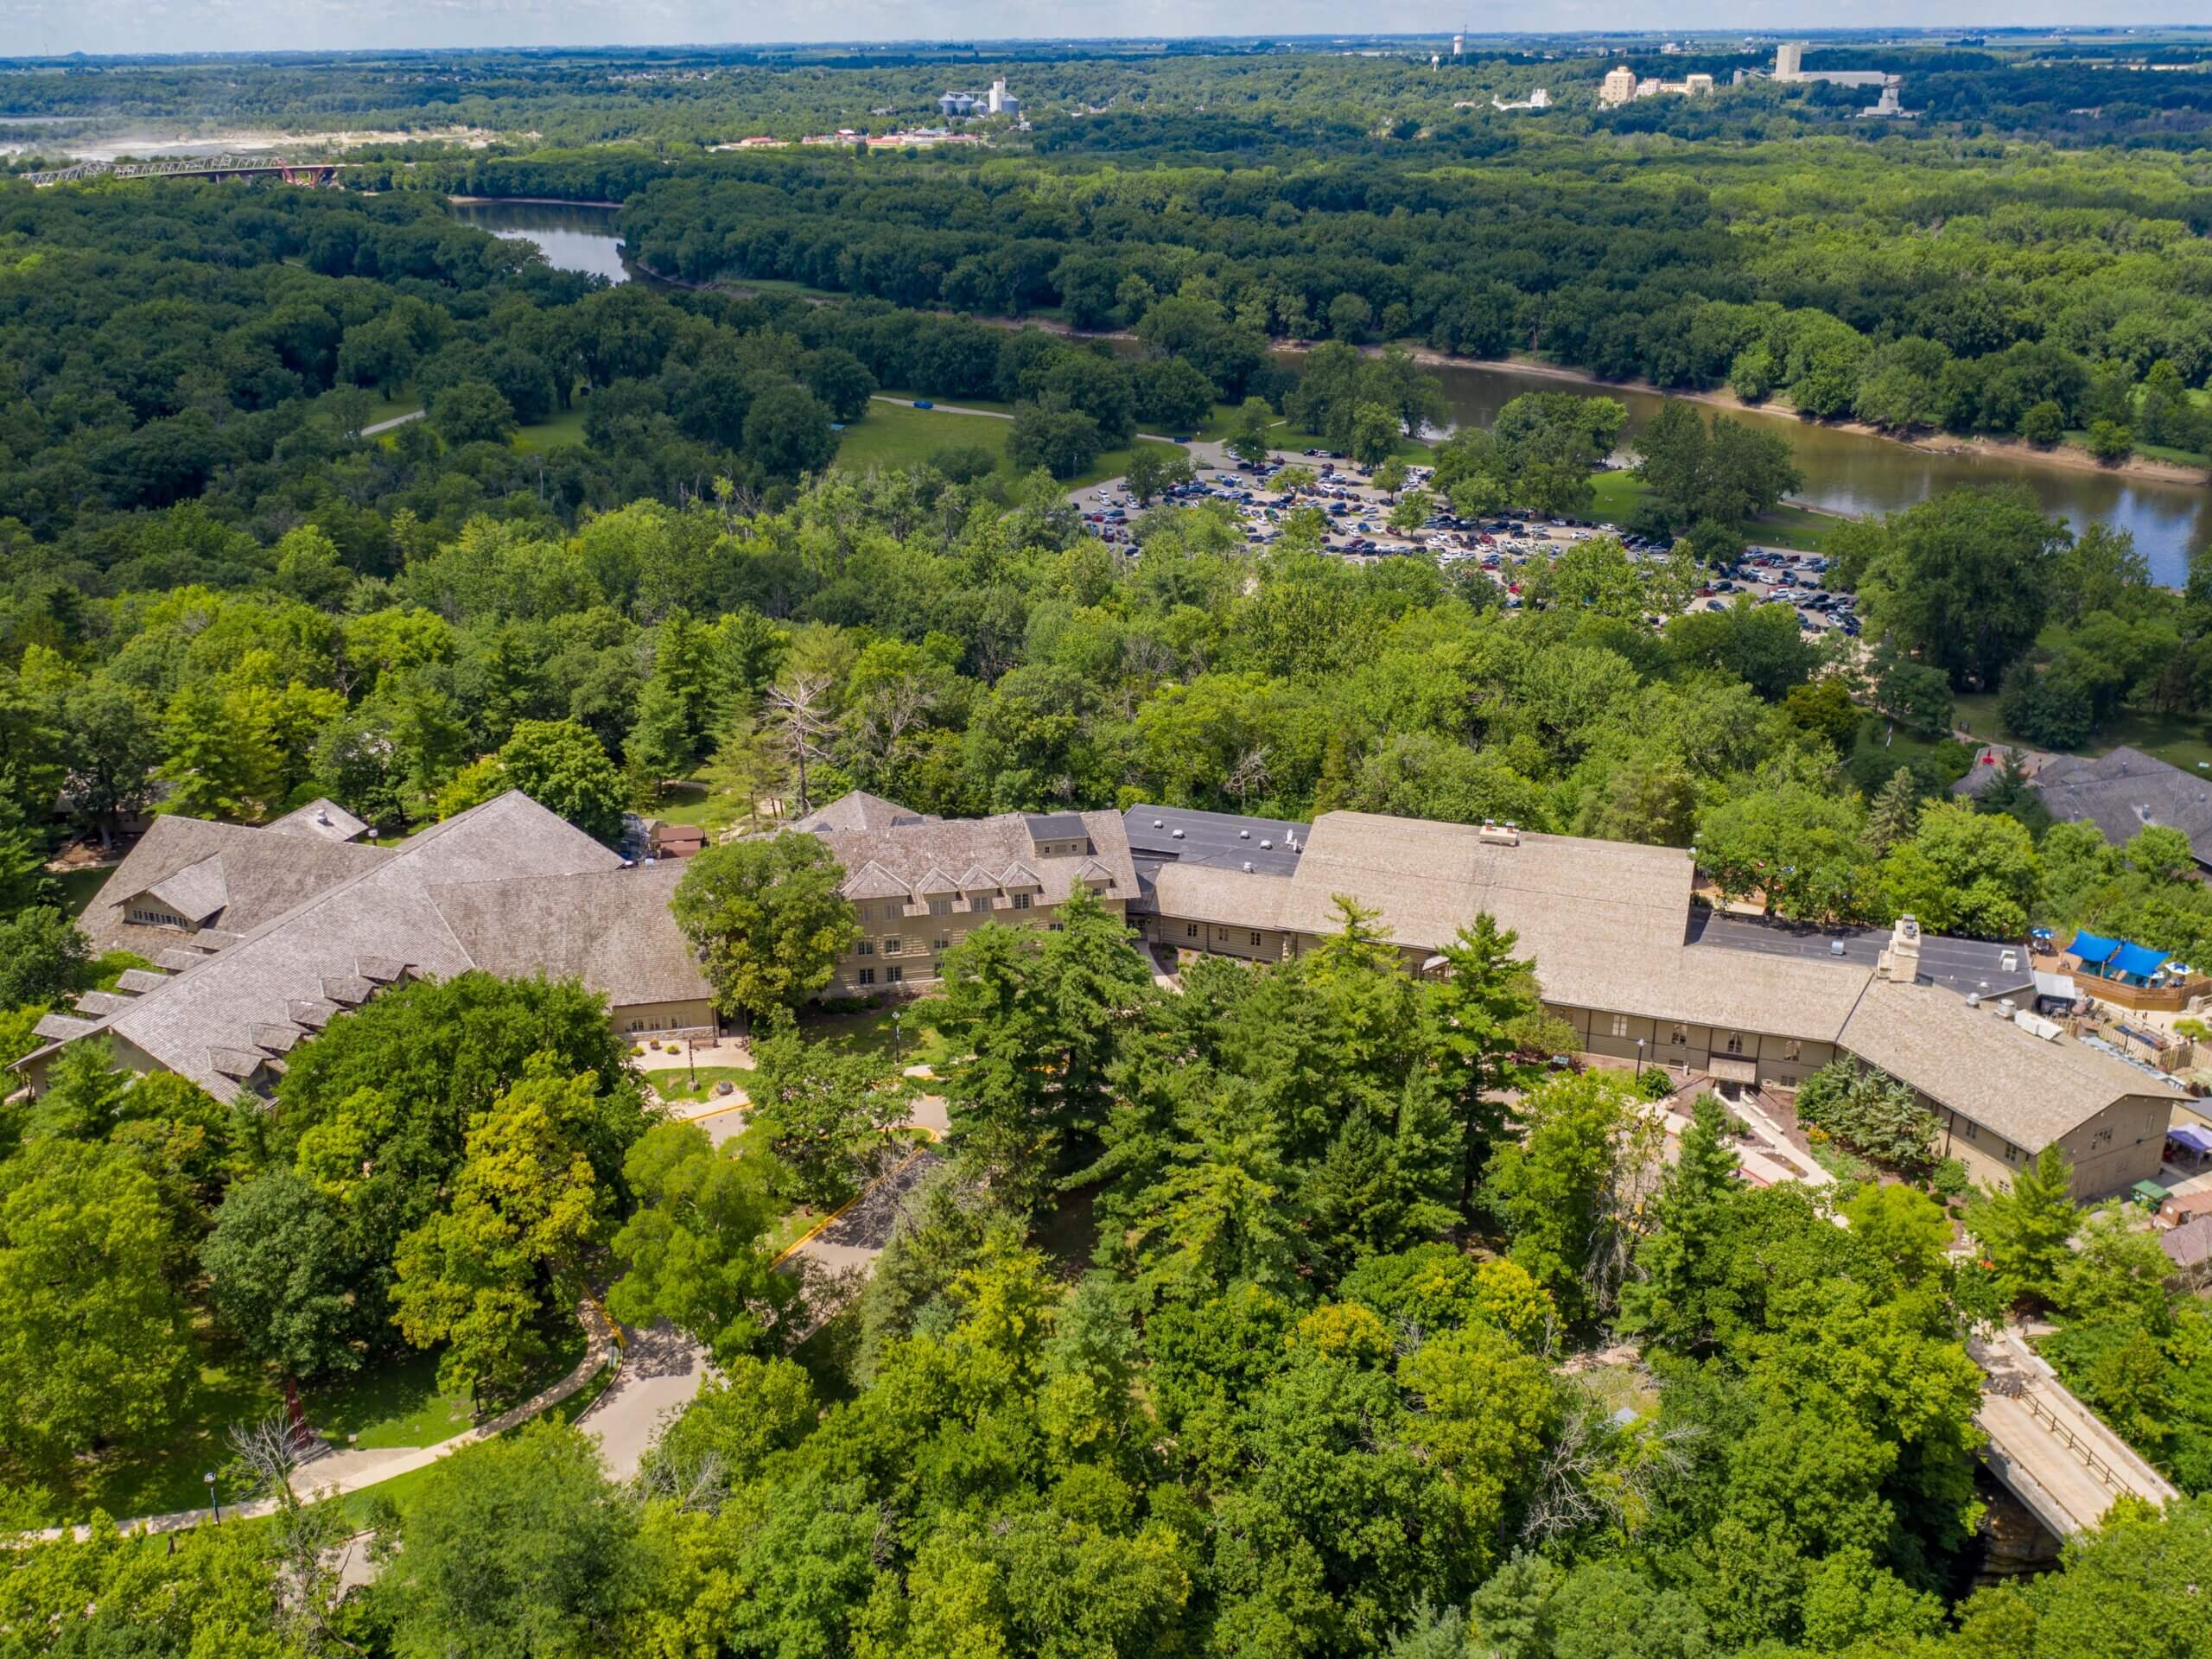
<point x="1873" y="1114"/>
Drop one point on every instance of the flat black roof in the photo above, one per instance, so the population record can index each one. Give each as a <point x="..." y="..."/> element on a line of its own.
<point x="1226" y="841"/>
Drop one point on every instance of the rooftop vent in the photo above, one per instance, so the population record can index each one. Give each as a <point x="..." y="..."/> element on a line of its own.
<point x="1179" y="835"/>
<point x="1160" y="823"/>
<point x="1248" y="867"/>
<point x="1269" y="845"/>
<point x="1243" y="835"/>
<point x="1499" y="835"/>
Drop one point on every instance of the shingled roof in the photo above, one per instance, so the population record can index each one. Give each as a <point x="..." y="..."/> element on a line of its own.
<point x="895" y="856"/>
<point x="366" y="915"/>
<point x="259" y="876"/>
<point x="322" y="818"/>
<point x="611" y="928"/>
<point x="2126" y="792"/>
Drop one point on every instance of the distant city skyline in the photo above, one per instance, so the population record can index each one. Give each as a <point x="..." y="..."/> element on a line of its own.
<point x="96" y="27"/>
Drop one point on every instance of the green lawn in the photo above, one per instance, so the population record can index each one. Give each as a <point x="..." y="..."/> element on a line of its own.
<point x="677" y="1083"/>
<point x="398" y="1404"/>
<point x="690" y="801"/>
<point x="555" y="432"/>
<point x="2178" y="739"/>
<point x="1618" y="493"/>
<point x="916" y="1043"/>
<point x="891" y="436"/>
<point x="78" y="887"/>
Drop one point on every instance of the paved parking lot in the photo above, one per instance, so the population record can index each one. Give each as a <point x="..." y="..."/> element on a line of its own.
<point x="1358" y="515"/>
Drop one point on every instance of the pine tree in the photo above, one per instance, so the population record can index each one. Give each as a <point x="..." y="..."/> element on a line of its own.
<point x="1895" y="813"/>
<point x="1676" y="1268"/>
<point x="1480" y="1015"/>
<point x="2023" y="1232"/>
<point x="659" y="747"/>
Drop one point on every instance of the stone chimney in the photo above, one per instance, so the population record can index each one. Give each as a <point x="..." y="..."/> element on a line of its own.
<point x="1902" y="960"/>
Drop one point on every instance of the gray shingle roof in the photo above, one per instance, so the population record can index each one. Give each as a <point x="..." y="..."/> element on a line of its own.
<point x="364" y="903"/>
<point x="2126" y="790"/>
<point x="1975" y="1061"/>
<point x="138" y="980"/>
<point x="886" y="863"/>
<point x="198" y="892"/>
<point x="322" y="818"/>
<point x="612" y="930"/>
<point x="1605" y="923"/>
<point x="859" y="810"/>
<point x="2189" y="1245"/>
<point x="263" y="877"/>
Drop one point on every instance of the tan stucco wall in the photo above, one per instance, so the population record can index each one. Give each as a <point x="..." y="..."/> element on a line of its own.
<point x="880" y="921"/>
<point x="645" y="1019"/>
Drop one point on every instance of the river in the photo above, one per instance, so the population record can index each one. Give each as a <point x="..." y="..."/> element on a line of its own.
<point x="1851" y="473"/>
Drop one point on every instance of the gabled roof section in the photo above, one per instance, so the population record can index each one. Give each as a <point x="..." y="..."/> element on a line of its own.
<point x="177" y="958"/>
<point x="978" y="879"/>
<point x="612" y="930"/>
<point x="262" y="877"/>
<point x="137" y="981"/>
<point x="1092" y="870"/>
<point x="1019" y="878"/>
<point x="861" y="811"/>
<point x="872" y="880"/>
<point x="935" y="880"/>
<point x="60" y="1027"/>
<point x="198" y="892"/>
<point x="321" y="819"/>
<point x="306" y="959"/>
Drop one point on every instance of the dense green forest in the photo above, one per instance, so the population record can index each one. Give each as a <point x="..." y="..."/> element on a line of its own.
<point x="1308" y="1312"/>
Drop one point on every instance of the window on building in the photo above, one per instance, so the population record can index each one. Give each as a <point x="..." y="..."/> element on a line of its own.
<point x="940" y="944"/>
<point x="2011" y="1154"/>
<point x="1256" y="941"/>
<point x="1620" y="1024"/>
<point x="894" y="945"/>
<point x="1678" y="1036"/>
<point x="1055" y="927"/>
<point x="1022" y="901"/>
<point x="979" y="901"/>
<point x="865" y="948"/>
<point x="2103" y="1137"/>
<point x="867" y="977"/>
<point x="1966" y="1127"/>
<point x="1790" y="1048"/>
<point x="1735" y="1042"/>
<point x="153" y="918"/>
<point x="940" y="905"/>
<point x="1190" y="930"/>
<point x="894" y="975"/>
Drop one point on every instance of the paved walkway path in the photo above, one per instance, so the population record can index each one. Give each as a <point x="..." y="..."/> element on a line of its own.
<point x="2059" y="1458"/>
<point x="339" y="1472"/>
<point x="370" y="431"/>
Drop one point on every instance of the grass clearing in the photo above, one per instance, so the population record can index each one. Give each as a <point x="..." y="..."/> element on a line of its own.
<point x="2178" y="739"/>
<point x="913" y="1041"/>
<point x="677" y="1083"/>
<point x="78" y="887"/>
<point x="891" y="436"/>
<point x="1615" y="496"/>
<point x="555" y="432"/>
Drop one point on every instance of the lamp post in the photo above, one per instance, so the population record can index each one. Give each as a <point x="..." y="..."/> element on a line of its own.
<point x="215" y="1503"/>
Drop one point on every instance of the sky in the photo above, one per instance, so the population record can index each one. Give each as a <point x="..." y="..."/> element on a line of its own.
<point x="110" y="26"/>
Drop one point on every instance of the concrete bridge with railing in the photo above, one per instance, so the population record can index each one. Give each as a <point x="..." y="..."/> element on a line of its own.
<point x="201" y="167"/>
<point x="2054" y="1454"/>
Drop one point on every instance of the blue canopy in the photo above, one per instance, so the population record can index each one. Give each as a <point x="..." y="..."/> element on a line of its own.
<point x="2117" y="956"/>
<point x="2196" y="1138"/>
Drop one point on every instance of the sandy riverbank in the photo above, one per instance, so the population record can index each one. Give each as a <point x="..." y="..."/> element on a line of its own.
<point x="2066" y="457"/>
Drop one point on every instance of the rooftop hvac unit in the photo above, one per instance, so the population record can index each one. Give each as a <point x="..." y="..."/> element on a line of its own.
<point x="2036" y="1026"/>
<point x="1248" y="867"/>
<point x="1499" y="835"/>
